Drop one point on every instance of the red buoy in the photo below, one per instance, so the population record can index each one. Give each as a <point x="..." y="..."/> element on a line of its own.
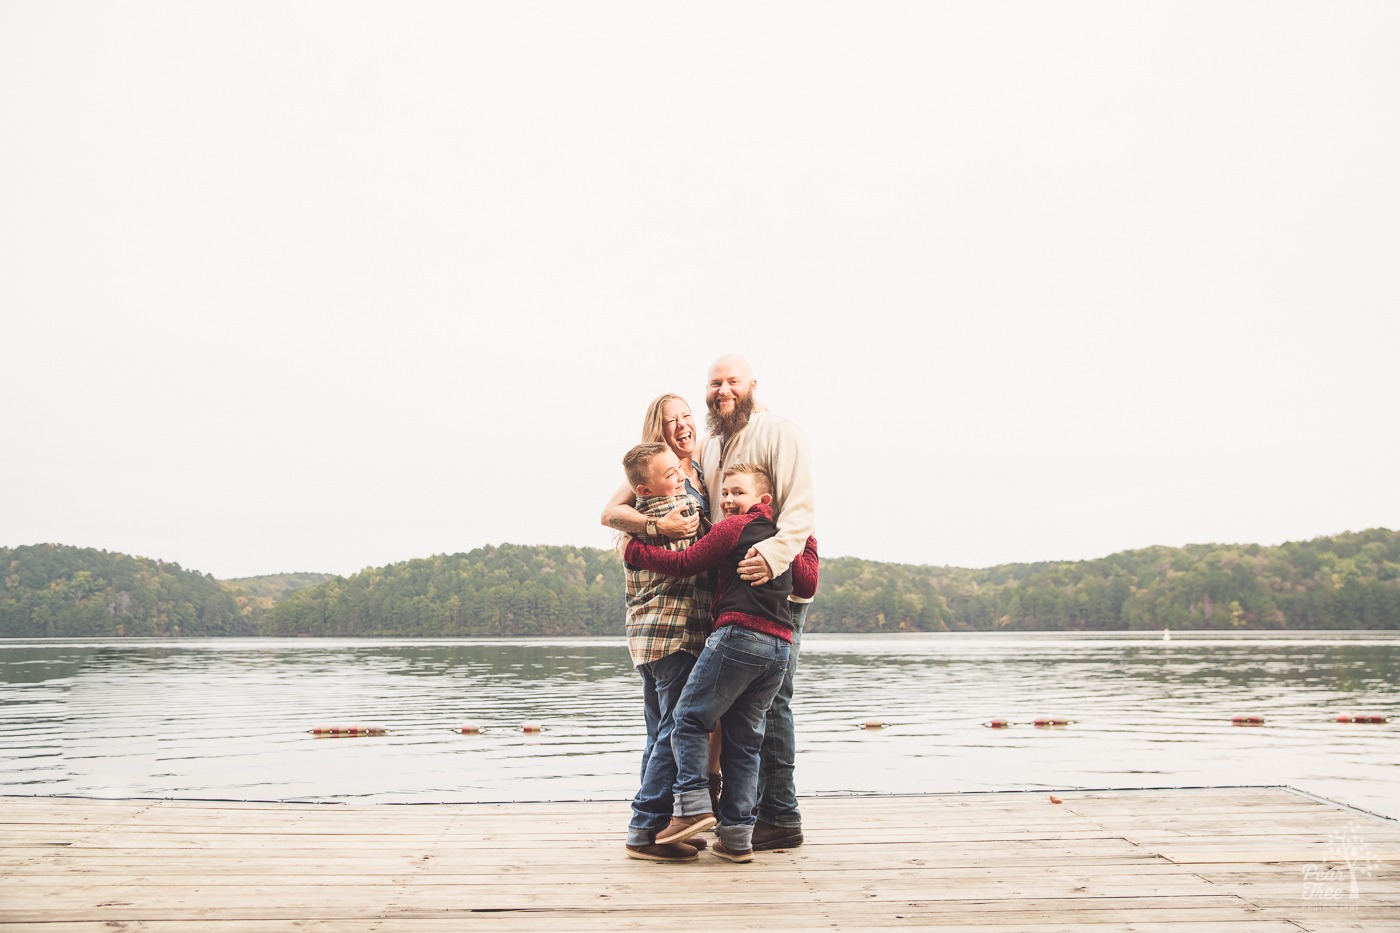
<point x="1052" y="722"/>
<point x="1248" y="720"/>
<point x="1361" y="717"/>
<point x="998" y="724"/>
<point x="531" y="727"/>
<point x="874" y="724"/>
<point x="348" y="731"/>
<point x="470" y="728"/>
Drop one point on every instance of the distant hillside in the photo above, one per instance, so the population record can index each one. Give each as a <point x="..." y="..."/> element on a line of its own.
<point x="512" y="590"/>
<point x="256" y="596"/>
<point x="1348" y="581"/>
<point x="275" y="586"/>
<point x="51" y="590"/>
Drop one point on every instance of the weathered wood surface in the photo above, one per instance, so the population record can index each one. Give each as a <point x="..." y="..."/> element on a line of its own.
<point x="1228" y="860"/>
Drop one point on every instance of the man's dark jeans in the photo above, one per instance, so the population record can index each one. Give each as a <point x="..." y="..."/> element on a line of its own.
<point x="777" y="787"/>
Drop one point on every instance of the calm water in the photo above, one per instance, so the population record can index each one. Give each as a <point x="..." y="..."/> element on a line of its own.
<point x="229" y="718"/>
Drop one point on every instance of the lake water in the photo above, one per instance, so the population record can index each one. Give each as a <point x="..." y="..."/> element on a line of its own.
<point x="229" y="719"/>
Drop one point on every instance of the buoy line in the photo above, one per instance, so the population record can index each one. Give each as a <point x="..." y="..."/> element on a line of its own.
<point x="535" y="728"/>
<point x="1042" y="722"/>
<point x="1246" y="719"/>
<point x="469" y="728"/>
<point x="476" y="728"/>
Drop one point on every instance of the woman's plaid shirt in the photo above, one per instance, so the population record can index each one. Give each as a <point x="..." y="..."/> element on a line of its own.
<point x="665" y="614"/>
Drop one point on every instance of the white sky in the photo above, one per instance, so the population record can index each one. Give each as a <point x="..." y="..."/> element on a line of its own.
<point x="321" y="286"/>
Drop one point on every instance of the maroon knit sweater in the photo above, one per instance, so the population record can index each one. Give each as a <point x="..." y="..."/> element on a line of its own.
<point x="722" y="547"/>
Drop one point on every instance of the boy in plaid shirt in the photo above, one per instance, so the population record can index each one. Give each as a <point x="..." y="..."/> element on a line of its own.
<point x="667" y="622"/>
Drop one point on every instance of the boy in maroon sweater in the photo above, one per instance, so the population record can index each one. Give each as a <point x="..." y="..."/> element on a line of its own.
<point x="743" y="663"/>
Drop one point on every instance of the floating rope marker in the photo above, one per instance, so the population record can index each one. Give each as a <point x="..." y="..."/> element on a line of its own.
<point x="469" y="728"/>
<point x="1248" y="720"/>
<point x="1362" y="717"/>
<point x="1042" y="722"/>
<point x="873" y="724"/>
<point x="342" y="732"/>
<point x="531" y="727"/>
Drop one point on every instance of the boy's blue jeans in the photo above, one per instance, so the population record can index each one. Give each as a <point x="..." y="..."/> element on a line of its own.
<point x="662" y="683"/>
<point x="733" y="682"/>
<point x="777" y="788"/>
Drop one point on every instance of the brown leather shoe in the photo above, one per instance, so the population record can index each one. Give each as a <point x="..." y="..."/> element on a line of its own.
<point x="769" y="836"/>
<point x="675" y="852"/>
<point x="682" y="828"/>
<point x="732" y="855"/>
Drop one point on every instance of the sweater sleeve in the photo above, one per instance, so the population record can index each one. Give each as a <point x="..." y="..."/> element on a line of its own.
<point x="790" y="464"/>
<point x="804" y="571"/>
<point x="705" y="554"/>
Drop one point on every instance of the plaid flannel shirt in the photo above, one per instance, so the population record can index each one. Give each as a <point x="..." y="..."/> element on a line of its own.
<point x="665" y="614"/>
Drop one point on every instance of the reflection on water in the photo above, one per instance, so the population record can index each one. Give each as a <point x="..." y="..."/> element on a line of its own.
<point x="228" y="718"/>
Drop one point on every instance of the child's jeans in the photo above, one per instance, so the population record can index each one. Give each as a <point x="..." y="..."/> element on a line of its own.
<point x="663" y="681"/>
<point x="733" y="682"/>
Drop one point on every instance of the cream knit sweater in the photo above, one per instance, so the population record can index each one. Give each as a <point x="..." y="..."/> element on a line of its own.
<point x="775" y="444"/>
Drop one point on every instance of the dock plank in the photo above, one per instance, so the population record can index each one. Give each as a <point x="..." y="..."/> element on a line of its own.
<point x="1234" y="860"/>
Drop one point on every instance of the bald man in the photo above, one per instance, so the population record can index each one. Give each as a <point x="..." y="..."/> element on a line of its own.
<point x="741" y="434"/>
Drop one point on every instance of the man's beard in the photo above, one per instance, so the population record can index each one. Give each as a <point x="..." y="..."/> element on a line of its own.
<point x="732" y="423"/>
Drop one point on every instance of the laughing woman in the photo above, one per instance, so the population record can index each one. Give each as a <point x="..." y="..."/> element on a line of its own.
<point x="668" y="421"/>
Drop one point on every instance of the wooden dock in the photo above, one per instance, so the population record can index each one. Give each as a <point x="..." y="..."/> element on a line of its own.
<point x="1217" y="861"/>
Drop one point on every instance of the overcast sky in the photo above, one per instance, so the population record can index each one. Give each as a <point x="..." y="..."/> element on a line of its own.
<point x="322" y="286"/>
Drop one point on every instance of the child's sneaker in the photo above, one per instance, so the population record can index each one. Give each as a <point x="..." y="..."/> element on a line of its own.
<point x="745" y="855"/>
<point x="682" y="828"/>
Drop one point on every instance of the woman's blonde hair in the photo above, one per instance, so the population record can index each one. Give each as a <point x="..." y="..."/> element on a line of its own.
<point x="654" y="425"/>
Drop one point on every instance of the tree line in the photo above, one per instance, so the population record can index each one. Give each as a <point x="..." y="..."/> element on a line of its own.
<point x="54" y="591"/>
<point x="1348" y="581"/>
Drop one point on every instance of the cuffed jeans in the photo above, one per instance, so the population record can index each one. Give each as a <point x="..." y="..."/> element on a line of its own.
<point x="662" y="683"/>
<point x="733" y="683"/>
<point x="777" y="787"/>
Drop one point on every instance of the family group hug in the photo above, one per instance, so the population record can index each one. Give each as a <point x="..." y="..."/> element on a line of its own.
<point x="721" y="568"/>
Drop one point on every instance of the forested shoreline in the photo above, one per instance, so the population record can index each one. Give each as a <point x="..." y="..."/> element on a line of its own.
<point x="1347" y="581"/>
